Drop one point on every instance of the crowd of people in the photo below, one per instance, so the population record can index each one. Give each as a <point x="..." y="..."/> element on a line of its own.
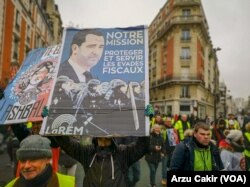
<point x="176" y="143"/>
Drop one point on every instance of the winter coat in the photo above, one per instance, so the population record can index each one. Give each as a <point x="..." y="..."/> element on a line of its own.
<point x="104" y="168"/>
<point x="183" y="157"/>
<point x="154" y="156"/>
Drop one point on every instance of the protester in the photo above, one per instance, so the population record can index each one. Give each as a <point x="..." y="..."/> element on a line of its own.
<point x="134" y="171"/>
<point x="181" y="125"/>
<point x="105" y="163"/>
<point x="21" y="132"/>
<point x="171" y="139"/>
<point x="198" y="154"/>
<point x="231" y="122"/>
<point x="156" y="152"/>
<point x="218" y="130"/>
<point x="35" y="156"/>
<point x="245" y="121"/>
<point x="12" y="146"/>
<point x="232" y="150"/>
<point x="247" y="146"/>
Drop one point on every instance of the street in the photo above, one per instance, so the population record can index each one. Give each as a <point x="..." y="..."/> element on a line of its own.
<point x="6" y="172"/>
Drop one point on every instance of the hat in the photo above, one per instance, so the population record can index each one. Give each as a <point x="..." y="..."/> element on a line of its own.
<point x="247" y="127"/>
<point x="231" y="122"/>
<point x="234" y="135"/>
<point x="34" y="147"/>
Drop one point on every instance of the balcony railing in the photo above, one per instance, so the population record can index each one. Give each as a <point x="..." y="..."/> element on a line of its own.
<point x="186" y="2"/>
<point x="185" y="96"/>
<point x="179" y="20"/>
<point x="185" y="39"/>
<point x="178" y="78"/>
<point x="185" y="57"/>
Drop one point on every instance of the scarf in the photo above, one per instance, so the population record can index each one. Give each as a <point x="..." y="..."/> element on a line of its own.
<point x="39" y="181"/>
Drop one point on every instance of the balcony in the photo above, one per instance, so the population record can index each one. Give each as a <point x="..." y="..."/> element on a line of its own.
<point x="185" y="39"/>
<point x="178" y="20"/>
<point x="191" y="79"/>
<point x="186" y="2"/>
<point x="185" y="96"/>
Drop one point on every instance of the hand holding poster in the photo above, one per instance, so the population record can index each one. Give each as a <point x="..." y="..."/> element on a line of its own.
<point x="102" y="84"/>
<point x="28" y="92"/>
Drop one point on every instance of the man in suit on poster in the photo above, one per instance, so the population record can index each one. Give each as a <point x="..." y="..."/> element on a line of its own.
<point x="86" y="51"/>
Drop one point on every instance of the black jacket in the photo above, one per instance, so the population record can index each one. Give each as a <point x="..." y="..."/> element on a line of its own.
<point x="154" y="156"/>
<point x="104" y="168"/>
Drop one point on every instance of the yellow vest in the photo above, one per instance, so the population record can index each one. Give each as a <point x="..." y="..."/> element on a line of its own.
<point x="236" y="124"/>
<point x="64" y="181"/>
<point x="246" y="151"/>
<point x="178" y="126"/>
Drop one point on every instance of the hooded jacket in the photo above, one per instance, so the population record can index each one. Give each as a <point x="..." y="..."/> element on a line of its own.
<point x="104" y="167"/>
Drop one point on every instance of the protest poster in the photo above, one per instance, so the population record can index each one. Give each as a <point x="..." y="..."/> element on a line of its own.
<point x="102" y="84"/>
<point x="28" y="92"/>
<point x="172" y="137"/>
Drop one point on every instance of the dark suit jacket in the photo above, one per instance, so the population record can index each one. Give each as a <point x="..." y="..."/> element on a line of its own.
<point x="67" y="70"/>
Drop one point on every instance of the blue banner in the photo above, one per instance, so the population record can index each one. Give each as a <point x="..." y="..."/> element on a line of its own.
<point x="102" y="84"/>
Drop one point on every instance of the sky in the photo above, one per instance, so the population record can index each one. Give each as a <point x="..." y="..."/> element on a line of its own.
<point x="228" y="22"/>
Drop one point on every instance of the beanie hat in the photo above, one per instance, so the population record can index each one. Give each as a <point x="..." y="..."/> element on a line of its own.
<point x="234" y="135"/>
<point x="34" y="147"/>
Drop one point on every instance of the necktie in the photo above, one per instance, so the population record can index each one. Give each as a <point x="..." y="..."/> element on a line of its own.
<point x="87" y="75"/>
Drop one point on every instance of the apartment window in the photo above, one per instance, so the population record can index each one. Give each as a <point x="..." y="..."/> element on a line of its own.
<point x="185" y="108"/>
<point x="28" y="34"/>
<point x="154" y="71"/>
<point x="185" y="34"/>
<point x="186" y="12"/>
<point x="185" y="53"/>
<point x="185" y="91"/>
<point x="18" y="20"/>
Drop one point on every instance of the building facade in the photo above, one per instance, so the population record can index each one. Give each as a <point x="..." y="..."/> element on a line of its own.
<point x="183" y="70"/>
<point x="25" y="25"/>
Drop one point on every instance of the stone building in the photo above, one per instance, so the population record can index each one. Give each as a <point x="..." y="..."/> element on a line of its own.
<point x="25" y="25"/>
<point x="183" y="70"/>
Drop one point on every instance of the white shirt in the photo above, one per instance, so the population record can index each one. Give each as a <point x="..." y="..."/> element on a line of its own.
<point x="79" y="70"/>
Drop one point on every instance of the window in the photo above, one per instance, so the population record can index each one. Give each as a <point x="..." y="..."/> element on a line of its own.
<point x="185" y="53"/>
<point x="186" y="12"/>
<point x="16" y="47"/>
<point x="169" y="109"/>
<point x="28" y="34"/>
<point x="184" y="91"/>
<point x="185" y="34"/>
<point x="18" y="20"/>
<point x="185" y="108"/>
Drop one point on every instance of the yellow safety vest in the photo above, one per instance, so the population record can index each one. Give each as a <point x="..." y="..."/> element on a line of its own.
<point x="179" y="127"/>
<point x="247" y="152"/>
<point x="236" y="124"/>
<point x="64" y="181"/>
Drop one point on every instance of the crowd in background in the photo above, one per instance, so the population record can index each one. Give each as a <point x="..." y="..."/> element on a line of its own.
<point x="225" y="140"/>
